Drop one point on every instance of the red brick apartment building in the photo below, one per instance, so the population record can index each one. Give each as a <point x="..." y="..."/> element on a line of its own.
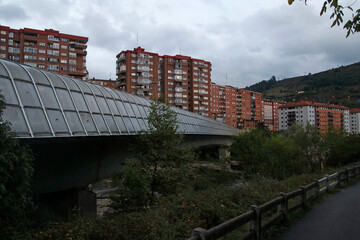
<point x="103" y="82"/>
<point x="236" y="107"/>
<point x="249" y="109"/>
<point x="48" y="49"/>
<point x="270" y="111"/>
<point x="321" y="115"/>
<point x="183" y="81"/>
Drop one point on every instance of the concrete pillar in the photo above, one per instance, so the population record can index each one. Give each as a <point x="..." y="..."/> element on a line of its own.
<point x="65" y="204"/>
<point x="224" y="152"/>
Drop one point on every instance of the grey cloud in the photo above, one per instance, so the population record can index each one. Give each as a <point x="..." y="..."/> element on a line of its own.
<point x="12" y="12"/>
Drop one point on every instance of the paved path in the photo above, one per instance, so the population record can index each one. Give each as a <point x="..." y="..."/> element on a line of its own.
<point x="336" y="218"/>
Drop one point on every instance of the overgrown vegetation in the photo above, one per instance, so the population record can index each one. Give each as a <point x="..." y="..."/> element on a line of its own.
<point x="338" y="86"/>
<point x="16" y="169"/>
<point x="166" y="192"/>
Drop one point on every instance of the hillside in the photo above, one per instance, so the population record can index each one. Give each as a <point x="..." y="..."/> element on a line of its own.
<point x="337" y="85"/>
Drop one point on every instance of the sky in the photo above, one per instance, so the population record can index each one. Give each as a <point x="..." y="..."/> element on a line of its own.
<point x="246" y="41"/>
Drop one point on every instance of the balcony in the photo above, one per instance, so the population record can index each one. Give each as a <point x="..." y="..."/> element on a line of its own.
<point x="141" y="80"/>
<point x="30" y="37"/>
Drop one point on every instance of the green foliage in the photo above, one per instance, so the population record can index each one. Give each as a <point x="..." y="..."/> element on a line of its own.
<point x="263" y="85"/>
<point x="339" y="85"/>
<point x="352" y="26"/>
<point x="260" y="152"/>
<point x="157" y="166"/>
<point x="16" y="170"/>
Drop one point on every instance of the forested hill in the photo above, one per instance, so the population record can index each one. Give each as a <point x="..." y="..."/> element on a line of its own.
<point x="338" y="85"/>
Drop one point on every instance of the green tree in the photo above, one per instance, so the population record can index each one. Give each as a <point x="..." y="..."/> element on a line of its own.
<point x="352" y="25"/>
<point x="16" y="170"/>
<point x="159" y="156"/>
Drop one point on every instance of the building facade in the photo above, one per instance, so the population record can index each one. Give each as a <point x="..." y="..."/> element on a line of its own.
<point x="249" y="109"/>
<point x="223" y="104"/>
<point x="48" y="49"/>
<point x="103" y="82"/>
<point x="355" y="120"/>
<point x="270" y="112"/>
<point x="181" y="80"/>
<point x="321" y="115"/>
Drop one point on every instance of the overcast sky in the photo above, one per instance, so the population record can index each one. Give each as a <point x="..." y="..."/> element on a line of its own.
<point x="247" y="41"/>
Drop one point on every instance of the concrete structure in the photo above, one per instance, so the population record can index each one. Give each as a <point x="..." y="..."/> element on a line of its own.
<point x="103" y="82"/>
<point x="48" y="49"/>
<point x="81" y="132"/>
<point x="320" y="115"/>
<point x="355" y="120"/>
<point x="183" y="81"/>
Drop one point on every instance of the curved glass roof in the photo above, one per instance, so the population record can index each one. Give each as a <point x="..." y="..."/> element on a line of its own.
<point x="44" y="104"/>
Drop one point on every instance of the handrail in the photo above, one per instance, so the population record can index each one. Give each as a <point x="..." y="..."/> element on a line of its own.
<point x="254" y="217"/>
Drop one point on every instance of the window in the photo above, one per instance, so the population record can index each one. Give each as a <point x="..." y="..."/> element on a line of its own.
<point x="11" y="35"/>
<point x="3" y="40"/>
<point x="72" y="55"/>
<point x="11" y="42"/>
<point x="42" y="51"/>
<point x="41" y="44"/>
<point x="63" y="61"/>
<point x="64" y="54"/>
<point x="3" y="48"/>
<point x="64" y="40"/>
<point x="3" y="32"/>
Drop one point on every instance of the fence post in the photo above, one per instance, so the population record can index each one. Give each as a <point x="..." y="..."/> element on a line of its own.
<point x="200" y="233"/>
<point x="326" y="183"/>
<point x="255" y="225"/>
<point x="347" y="176"/>
<point x="303" y="197"/>
<point x="338" y="178"/>
<point x="317" y="188"/>
<point x="284" y="206"/>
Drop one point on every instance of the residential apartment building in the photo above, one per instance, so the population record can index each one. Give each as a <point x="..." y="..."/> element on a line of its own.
<point x="270" y="114"/>
<point x="48" y="49"/>
<point x="321" y="115"/>
<point x="103" y="82"/>
<point x="249" y="109"/>
<point x="355" y="120"/>
<point x="182" y="81"/>
<point x="223" y="104"/>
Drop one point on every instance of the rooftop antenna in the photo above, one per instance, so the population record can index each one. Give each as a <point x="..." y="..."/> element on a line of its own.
<point x="180" y="50"/>
<point x="109" y="75"/>
<point x="226" y="79"/>
<point x="137" y="39"/>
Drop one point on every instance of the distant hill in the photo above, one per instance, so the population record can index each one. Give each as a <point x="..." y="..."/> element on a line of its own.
<point x="338" y="86"/>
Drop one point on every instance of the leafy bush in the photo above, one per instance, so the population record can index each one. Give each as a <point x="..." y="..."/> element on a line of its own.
<point x="16" y="169"/>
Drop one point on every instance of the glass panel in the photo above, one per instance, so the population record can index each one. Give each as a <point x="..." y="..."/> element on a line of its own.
<point x="120" y="124"/>
<point x="57" y="121"/>
<point x="16" y="71"/>
<point x="88" y="122"/>
<point x="7" y="90"/>
<point x="100" y="123"/>
<point x="128" y="124"/>
<point x="38" y="76"/>
<point x="136" y="124"/>
<point x="74" y="122"/>
<point x="70" y="83"/>
<point x="95" y="89"/>
<point x="105" y="91"/>
<point x="3" y="70"/>
<point x="122" y="96"/>
<point x="136" y="110"/>
<point x="136" y="99"/>
<point x="37" y="120"/>
<point x="65" y="99"/>
<point x="111" y="123"/>
<point x="121" y="108"/>
<point x="104" y="107"/>
<point x="48" y="97"/>
<point x="15" y="117"/>
<point x="112" y="106"/>
<point x="147" y="110"/>
<point x="92" y="103"/>
<point x="114" y="93"/>
<point x="79" y="101"/>
<point x="142" y="111"/>
<point x="27" y="93"/>
<point x="56" y="81"/>
<point x="129" y="109"/>
<point x="142" y="124"/>
<point x="83" y="86"/>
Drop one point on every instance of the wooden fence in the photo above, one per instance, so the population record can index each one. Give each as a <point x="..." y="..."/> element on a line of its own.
<point x="261" y="218"/>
